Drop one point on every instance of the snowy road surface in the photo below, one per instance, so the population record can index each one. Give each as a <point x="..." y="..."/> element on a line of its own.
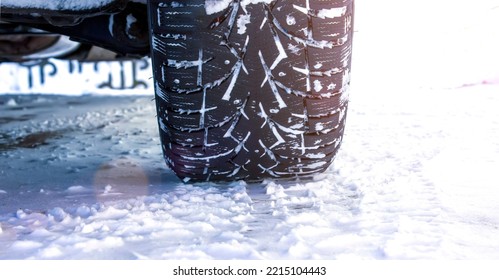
<point x="416" y="177"/>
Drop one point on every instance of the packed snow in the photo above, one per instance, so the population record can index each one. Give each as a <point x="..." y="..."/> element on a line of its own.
<point x="81" y="177"/>
<point x="215" y="6"/>
<point x="56" y="4"/>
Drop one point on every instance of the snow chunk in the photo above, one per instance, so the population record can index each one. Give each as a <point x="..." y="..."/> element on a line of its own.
<point x="51" y="252"/>
<point x="113" y="213"/>
<point x="230" y="250"/>
<point x="242" y="21"/>
<point x="73" y="5"/>
<point x="275" y="190"/>
<point x="58" y="213"/>
<point x="215" y="6"/>
<point x="77" y="189"/>
<point x="108" y="189"/>
<point x="316" y="155"/>
<point x="26" y="245"/>
<point x="84" y="211"/>
<point x="11" y="103"/>
<point x="96" y="245"/>
<point x="299" y="250"/>
<point x="332" y="13"/>
<point x="318" y="86"/>
<point x="20" y="214"/>
<point x="130" y="21"/>
<point x="290" y="20"/>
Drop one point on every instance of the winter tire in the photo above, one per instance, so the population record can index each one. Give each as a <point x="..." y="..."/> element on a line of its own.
<point x="251" y="89"/>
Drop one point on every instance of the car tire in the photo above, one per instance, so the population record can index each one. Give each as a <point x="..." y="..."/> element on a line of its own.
<point x="248" y="90"/>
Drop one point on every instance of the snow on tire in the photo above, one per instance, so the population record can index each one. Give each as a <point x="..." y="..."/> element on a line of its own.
<point x="251" y="89"/>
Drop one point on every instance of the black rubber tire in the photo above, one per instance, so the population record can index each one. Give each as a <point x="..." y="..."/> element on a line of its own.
<point x="251" y="91"/>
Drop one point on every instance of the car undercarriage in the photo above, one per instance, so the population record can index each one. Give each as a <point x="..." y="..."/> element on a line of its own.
<point x="117" y="25"/>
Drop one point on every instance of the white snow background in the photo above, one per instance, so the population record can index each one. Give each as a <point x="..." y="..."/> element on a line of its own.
<point x="416" y="177"/>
